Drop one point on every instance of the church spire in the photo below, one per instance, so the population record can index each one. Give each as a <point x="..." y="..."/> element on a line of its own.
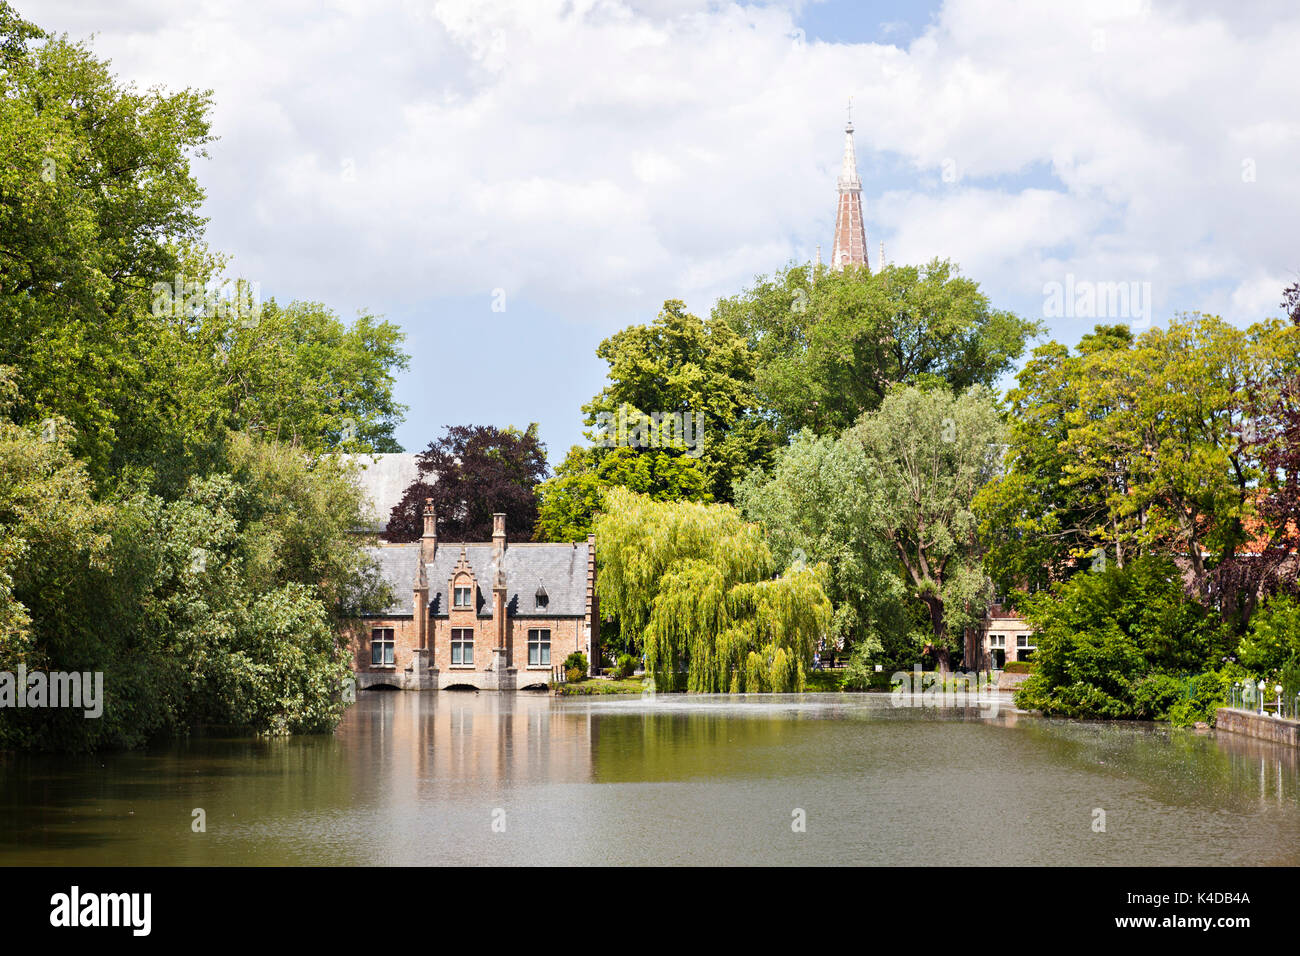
<point x="850" y="234"/>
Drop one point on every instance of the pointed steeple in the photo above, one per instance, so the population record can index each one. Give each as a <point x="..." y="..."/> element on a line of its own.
<point x="850" y="234"/>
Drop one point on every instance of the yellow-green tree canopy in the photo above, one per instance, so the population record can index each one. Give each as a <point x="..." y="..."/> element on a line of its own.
<point x="698" y="585"/>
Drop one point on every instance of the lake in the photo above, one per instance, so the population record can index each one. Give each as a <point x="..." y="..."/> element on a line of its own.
<point x="466" y="778"/>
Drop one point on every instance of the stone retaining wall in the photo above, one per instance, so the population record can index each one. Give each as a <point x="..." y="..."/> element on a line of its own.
<point x="1263" y="726"/>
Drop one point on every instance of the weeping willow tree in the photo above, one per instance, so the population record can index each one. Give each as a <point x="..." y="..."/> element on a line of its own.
<point x="699" y="586"/>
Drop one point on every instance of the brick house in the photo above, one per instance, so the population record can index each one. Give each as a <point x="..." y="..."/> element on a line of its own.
<point x="490" y="615"/>
<point x="1002" y="636"/>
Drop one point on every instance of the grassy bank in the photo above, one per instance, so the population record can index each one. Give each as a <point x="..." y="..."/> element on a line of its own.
<point x="597" y="686"/>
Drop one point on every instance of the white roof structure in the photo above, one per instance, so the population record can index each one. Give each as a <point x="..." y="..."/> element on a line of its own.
<point x="384" y="478"/>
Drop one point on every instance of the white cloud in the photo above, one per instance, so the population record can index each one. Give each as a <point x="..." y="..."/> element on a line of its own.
<point x="598" y="156"/>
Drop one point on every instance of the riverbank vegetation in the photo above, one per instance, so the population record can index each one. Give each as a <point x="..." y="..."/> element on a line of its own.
<point x="170" y="515"/>
<point x="824" y="462"/>
<point x="1134" y="497"/>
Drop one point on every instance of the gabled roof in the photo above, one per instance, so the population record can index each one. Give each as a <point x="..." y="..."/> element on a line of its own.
<point x="561" y="569"/>
<point x="383" y="478"/>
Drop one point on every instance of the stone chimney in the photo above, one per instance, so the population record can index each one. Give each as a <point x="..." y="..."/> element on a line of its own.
<point x="420" y="602"/>
<point x="498" y="537"/>
<point x="592" y="625"/>
<point x="429" y="543"/>
<point x="500" y="593"/>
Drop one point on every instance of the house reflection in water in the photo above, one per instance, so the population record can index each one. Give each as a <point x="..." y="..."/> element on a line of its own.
<point x="490" y="738"/>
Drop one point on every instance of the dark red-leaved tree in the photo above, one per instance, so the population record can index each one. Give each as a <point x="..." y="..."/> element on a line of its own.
<point x="470" y="473"/>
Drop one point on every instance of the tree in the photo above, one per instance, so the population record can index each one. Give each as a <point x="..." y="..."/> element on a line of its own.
<point x="299" y="375"/>
<point x="123" y="324"/>
<point x="1268" y="565"/>
<point x="814" y="506"/>
<point x="96" y="198"/>
<point x="684" y="370"/>
<point x="471" y="473"/>
<point x="924" y="455"/>
<point x="168" y="515"/>
<point x="831" y="344"/>
<point x="1129" y="447"/>
<point x="222" y="605"/>
<point x="568" y="503"/>
<point x="696" y="584"/>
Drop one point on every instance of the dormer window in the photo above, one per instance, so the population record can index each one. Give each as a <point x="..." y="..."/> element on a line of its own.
<point x="463" y="597"/>
<point x="542" y="598"/>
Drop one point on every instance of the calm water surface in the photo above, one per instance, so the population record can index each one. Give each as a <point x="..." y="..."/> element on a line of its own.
<point x="422" y="778"/>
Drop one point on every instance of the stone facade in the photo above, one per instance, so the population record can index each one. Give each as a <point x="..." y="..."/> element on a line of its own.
<point x="491" y="616"/>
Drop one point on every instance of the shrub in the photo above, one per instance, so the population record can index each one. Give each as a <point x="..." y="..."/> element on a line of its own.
<point x="626" y="665"/>
<point x="1118" y="644"/>
<point x="1291" y="681"/>
<point x="1273" y="637"/>
<point x="1019" y="667"/>
<point x="574" y="674"/>
<point x="576" y="661"/>
<point x="1154" y="694"/>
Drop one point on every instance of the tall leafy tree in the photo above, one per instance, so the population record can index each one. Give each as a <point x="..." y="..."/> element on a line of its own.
<point x="830" y="345"/>
<point x="569" y="502"/>
<point x="888" y="507"/>
<point x="925" y="455"/>
<point x="1268" y="564"/>
<point x="1131" y="446"/>
<point x="471" y="473"/>
<point x="815" y="506"/>
<point x="681" y="365"/>
<point x="96" y="198"/>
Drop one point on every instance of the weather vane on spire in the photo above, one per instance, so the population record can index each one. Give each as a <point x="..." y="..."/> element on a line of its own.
<point x="849" y="109"/>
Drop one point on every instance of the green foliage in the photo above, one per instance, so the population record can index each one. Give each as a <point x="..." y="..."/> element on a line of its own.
<point x="830" y="345"/>
<point x="887" y="507"/>
<point x="814" y="506"/>
<point x="927" y="454"/>
<point x="1290" y="681"/>
<point x="221" y="606"/>
<point x="111" y="306"/>
<point x="626" y="666"/>
<point x="576" y="660"/>
<point x="681" y="364"/>
<point x="696" y="583"/>
<point x="1119" y="643"/>
<point x="1130" y="446"/>
<point x="98" y="195"/>
<point x="569" y="502"/>
<point x="1273" y="637"/>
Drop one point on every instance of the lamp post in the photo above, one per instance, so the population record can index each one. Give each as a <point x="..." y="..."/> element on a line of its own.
<point x="1278" y="689"/>
<point x="1262" y="688"/>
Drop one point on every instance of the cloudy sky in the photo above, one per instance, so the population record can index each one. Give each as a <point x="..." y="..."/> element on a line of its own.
<point x="579" y="162"/>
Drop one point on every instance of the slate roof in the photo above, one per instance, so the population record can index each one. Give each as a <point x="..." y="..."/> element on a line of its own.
<point x="561" y="569"/>
<point x="384" y="478"/>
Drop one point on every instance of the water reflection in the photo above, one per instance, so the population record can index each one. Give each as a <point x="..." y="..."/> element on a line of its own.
<point x="490" y="778"/>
